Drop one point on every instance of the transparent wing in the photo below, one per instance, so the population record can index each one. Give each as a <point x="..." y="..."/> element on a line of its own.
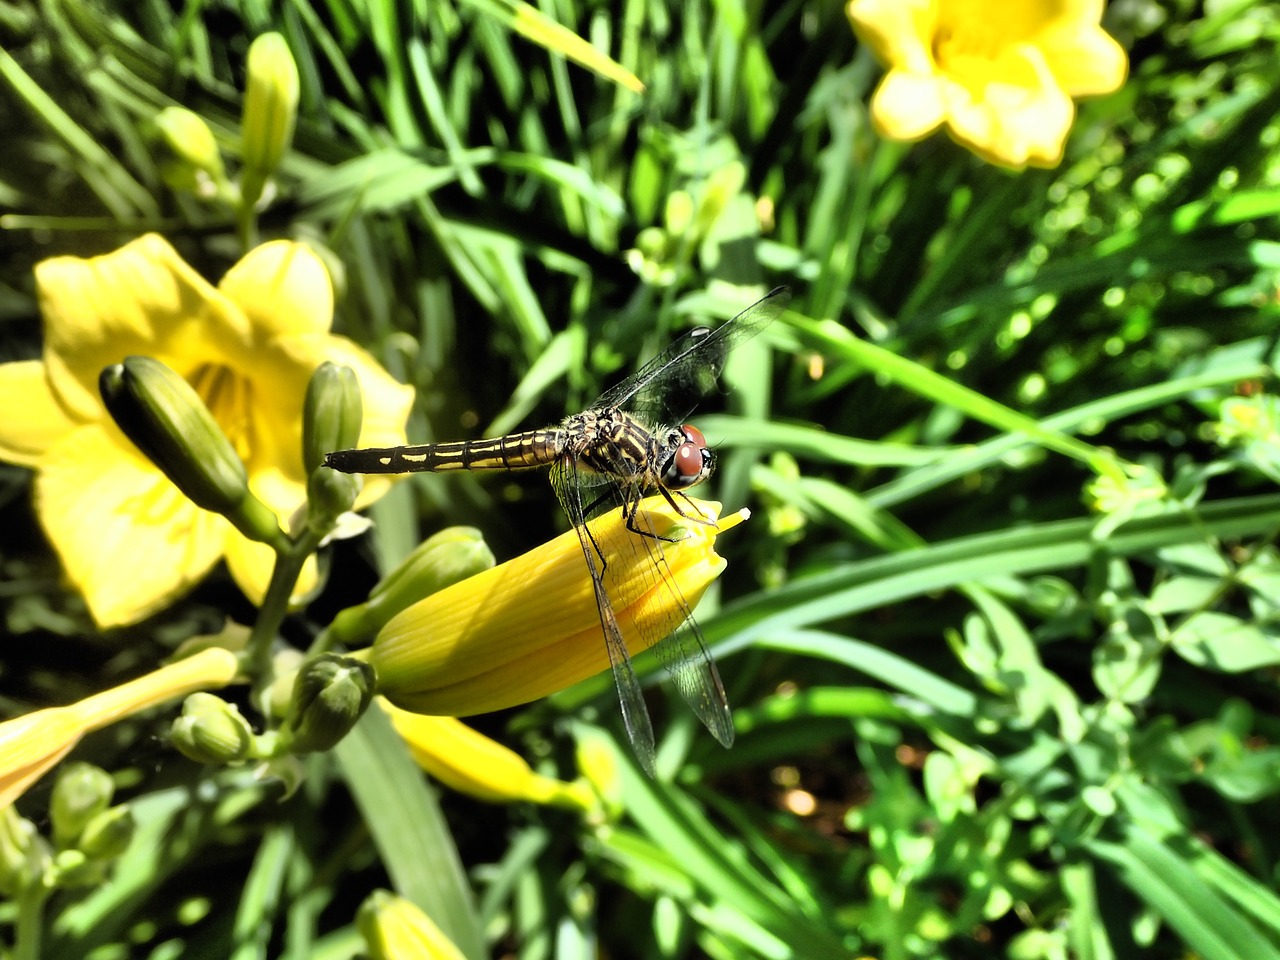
<point x="635" y="715"/>
<point x="683" y="651"/>
<point x="670" y="385"/>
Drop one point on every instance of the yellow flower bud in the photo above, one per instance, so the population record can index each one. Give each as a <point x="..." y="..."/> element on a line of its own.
<point x="195" y="163"/>
<point x="395" y="929"/>
<point x="270" y="110"/>
<point x="530" y="627"/>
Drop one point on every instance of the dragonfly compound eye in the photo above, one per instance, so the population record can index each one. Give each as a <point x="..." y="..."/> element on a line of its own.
<point x="694" y="435"/>
<point x="689" y="464"/>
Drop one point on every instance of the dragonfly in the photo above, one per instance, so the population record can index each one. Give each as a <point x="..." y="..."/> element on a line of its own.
<point x="630" y="443"/>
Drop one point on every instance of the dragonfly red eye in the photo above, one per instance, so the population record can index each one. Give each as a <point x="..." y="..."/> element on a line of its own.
<point x="694" y="435"/>
<point x="689" y="463"/>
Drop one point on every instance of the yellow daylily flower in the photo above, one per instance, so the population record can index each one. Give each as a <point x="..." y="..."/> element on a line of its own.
<point x="129" y="541"/>
<point x="529" y="627"/>
<point x="465" y="760"/>
<point x="33" y="744"/>
<point x="1000" y="74"/>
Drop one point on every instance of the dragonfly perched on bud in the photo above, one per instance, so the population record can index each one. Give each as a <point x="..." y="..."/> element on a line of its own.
<point x="630" y="443"/>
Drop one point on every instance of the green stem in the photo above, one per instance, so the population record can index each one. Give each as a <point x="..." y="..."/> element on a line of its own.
<point x="290" y="558"/>
<point x="29" y="925"/>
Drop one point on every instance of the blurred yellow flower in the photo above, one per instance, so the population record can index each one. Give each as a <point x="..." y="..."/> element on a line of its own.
<point x="999" y="73"/>
<point x="33" y="744"/>
<point x="466" y="760"/>
<point x="129" y="541"/>
<point x="529" y="627"/>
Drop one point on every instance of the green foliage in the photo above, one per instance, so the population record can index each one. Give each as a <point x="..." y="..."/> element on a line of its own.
<point x="1002" y="640"/>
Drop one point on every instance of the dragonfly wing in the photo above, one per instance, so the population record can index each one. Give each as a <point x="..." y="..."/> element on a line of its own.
<point x="670" y="385"/>
<point x="635" y="715"/>
<point x="683" y="651"/>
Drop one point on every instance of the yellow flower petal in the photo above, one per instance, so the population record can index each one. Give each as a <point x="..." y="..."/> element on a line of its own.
<point x="128" y="539"/>
<point x="31" y="745"/>
<point x="465" y="760"/>
<point x="999" y="73"/>
<point x="529" y="627"/>
<point x="896" y="31"/>
<point x="908" y="106"/>
<point x="35" y="419"/>
<point x="1085" y="62"/>
<point x="141" y="299"/>
<point x="283" y="288"/>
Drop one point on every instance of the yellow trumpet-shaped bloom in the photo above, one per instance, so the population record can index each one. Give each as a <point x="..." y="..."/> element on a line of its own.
<point x="530" y="627"/>
<point x="999" y="74"/>
<point x="129" y="541"/>
<point x="33" y="744"/>
<point x="465" y="760"/>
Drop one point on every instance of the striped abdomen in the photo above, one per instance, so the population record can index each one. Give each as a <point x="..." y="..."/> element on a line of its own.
<point x="533" y="448"/>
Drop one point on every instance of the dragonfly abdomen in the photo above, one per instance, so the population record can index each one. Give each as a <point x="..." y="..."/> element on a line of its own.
<point x="516" y="451"/>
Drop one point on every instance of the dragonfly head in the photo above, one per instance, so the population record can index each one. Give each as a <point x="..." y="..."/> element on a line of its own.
<point x="689" y="462"/>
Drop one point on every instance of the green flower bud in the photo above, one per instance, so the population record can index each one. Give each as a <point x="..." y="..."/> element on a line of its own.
<point x="73" y="868"/>
<point x="330" y="494"/>
<point x="211" y="730"/>
<point x="441" y="560"/>
<point x="166" y="419"/>
<point x="270" y="109"/>
<point x="24" y="854"/>
<point x="332" y="414"/>
<point x="82" y="792"/>
<point x="109" y="834"/>
<point x="194" y="162"/>
<point x="330" y="695"/>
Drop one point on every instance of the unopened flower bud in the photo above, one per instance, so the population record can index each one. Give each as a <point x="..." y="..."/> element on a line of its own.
<point x="166" y="419"/>
<point x="194" y="162"/>
<point x="81" y="792"/>
<point x="330" y="695"/>
<point x="24" y="854"/>
<point x="73" y="868"/>
<point x="270" y="109"/>
<point x="443" y="559"/>
<point x="394" y="928"/>
<point x="330" y="494"/>
<point x="211" y="730"/>
<point x="332" y="413"/>
<point x="108" y="835"/>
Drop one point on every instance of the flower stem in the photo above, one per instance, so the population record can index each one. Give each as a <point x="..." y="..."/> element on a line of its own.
<point x="29" y="925"/>
<point x="290" y="557"/>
